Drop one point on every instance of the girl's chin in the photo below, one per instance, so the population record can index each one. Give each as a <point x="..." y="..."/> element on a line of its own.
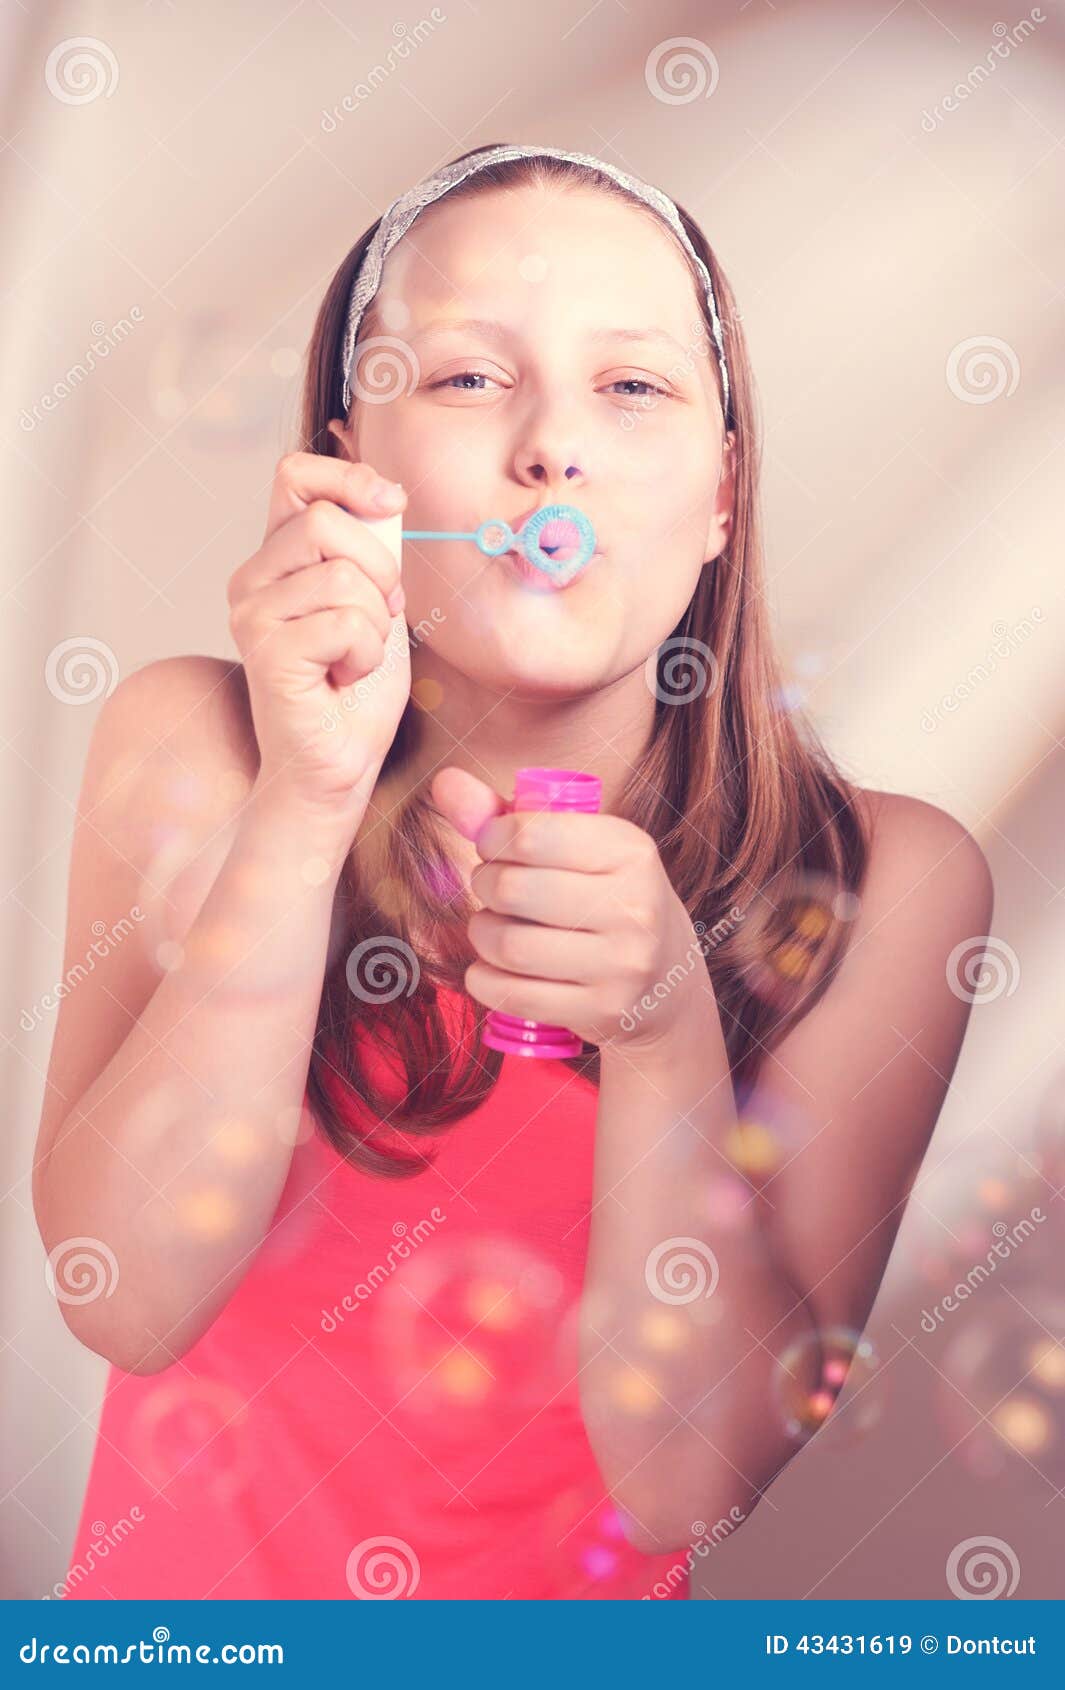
<point x="557" y="671"/>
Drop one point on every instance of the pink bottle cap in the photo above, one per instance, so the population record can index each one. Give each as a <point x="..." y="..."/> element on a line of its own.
<point x="556" y="789"/>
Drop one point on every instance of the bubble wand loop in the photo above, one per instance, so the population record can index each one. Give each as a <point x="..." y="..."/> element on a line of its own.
<point x="493" y="538"/>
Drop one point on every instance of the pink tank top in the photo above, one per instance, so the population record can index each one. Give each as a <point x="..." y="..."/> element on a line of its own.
<point x="388" y="1404"/>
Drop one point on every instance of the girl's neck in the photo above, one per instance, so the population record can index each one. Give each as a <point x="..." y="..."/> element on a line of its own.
<point x="459" y="723"/>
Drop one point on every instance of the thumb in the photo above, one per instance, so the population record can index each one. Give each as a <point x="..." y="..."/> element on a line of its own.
<point x="466" y="801"/>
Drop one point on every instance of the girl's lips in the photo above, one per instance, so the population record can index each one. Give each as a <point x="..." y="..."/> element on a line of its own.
<point x="535" y="578"/>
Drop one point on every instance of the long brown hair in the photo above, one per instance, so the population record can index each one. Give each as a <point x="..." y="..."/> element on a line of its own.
<point x="761" y="835"/>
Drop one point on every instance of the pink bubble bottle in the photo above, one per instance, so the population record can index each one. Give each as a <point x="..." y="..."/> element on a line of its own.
<point x="543" y="789"/>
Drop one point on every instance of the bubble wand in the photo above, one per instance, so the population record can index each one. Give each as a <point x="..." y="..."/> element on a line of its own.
<point x="495" y="537"/>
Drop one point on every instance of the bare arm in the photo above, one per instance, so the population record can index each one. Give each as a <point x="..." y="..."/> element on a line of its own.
<point x="707" y="1323"/>
<point x="196" y="1028"/>
<point x="180" y="1064"/>
<point x="685" y="1306"/>
<point x="867" y="1071"/>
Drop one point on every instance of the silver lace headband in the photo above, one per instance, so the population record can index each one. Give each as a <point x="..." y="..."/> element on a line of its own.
<point x="399" y="216"/>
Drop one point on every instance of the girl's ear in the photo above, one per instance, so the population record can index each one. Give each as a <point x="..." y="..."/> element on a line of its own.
<point x="340" y="431"/>
<point x="720" y="529"/>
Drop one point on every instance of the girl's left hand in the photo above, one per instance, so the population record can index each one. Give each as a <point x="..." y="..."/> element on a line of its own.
<point x="579" y="919"/>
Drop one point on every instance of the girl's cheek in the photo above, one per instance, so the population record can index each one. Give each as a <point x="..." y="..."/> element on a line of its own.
<point x="647" y="444"/>
<point x="444" y="475"/>
<point x="410" y="445"/>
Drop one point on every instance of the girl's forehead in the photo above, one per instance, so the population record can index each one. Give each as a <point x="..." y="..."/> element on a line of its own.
<point x="498" y="254"/>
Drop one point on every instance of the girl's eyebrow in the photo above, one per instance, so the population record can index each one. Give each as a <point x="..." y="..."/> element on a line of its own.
<point x="476" y="325"/>
<point x="499" y="331"/>
<point x="656" y="336"/>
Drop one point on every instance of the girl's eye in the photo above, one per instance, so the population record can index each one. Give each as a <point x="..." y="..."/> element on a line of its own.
<point x="637" y="381"/>
<point x="463" y="376"/>
<point x="463" y="381"/>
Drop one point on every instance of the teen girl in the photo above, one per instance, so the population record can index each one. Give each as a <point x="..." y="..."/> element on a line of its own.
<point x="391" y="1313"/>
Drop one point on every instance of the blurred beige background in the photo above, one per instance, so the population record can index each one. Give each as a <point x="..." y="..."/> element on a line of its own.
<point x="880" y="182"/>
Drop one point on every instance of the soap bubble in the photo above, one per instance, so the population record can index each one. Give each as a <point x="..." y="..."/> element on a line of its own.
<point x="208" y="374"/>
<point x="807" y="1391"/>
<point x="473" y="1324"/>
<point x="785" y="931"/>
<point x="192" y="1434"/>
<point x="585" y="1552"/>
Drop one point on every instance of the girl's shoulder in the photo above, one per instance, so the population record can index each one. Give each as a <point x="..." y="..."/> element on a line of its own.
<point x="190" y="709"/>
<point x="902" y="826"/>
<point x="172" y="759"/>
<point x="915" y="844"/>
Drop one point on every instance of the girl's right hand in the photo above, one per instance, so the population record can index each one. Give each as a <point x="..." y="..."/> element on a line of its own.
<point x="317" y="615"/>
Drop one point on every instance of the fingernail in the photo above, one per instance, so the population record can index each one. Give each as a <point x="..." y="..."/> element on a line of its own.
<point x="396" y="601"/>
<point x="387" y="494"/>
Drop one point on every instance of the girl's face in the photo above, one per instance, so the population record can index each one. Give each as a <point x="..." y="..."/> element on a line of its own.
<point x="518" y="334"/>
